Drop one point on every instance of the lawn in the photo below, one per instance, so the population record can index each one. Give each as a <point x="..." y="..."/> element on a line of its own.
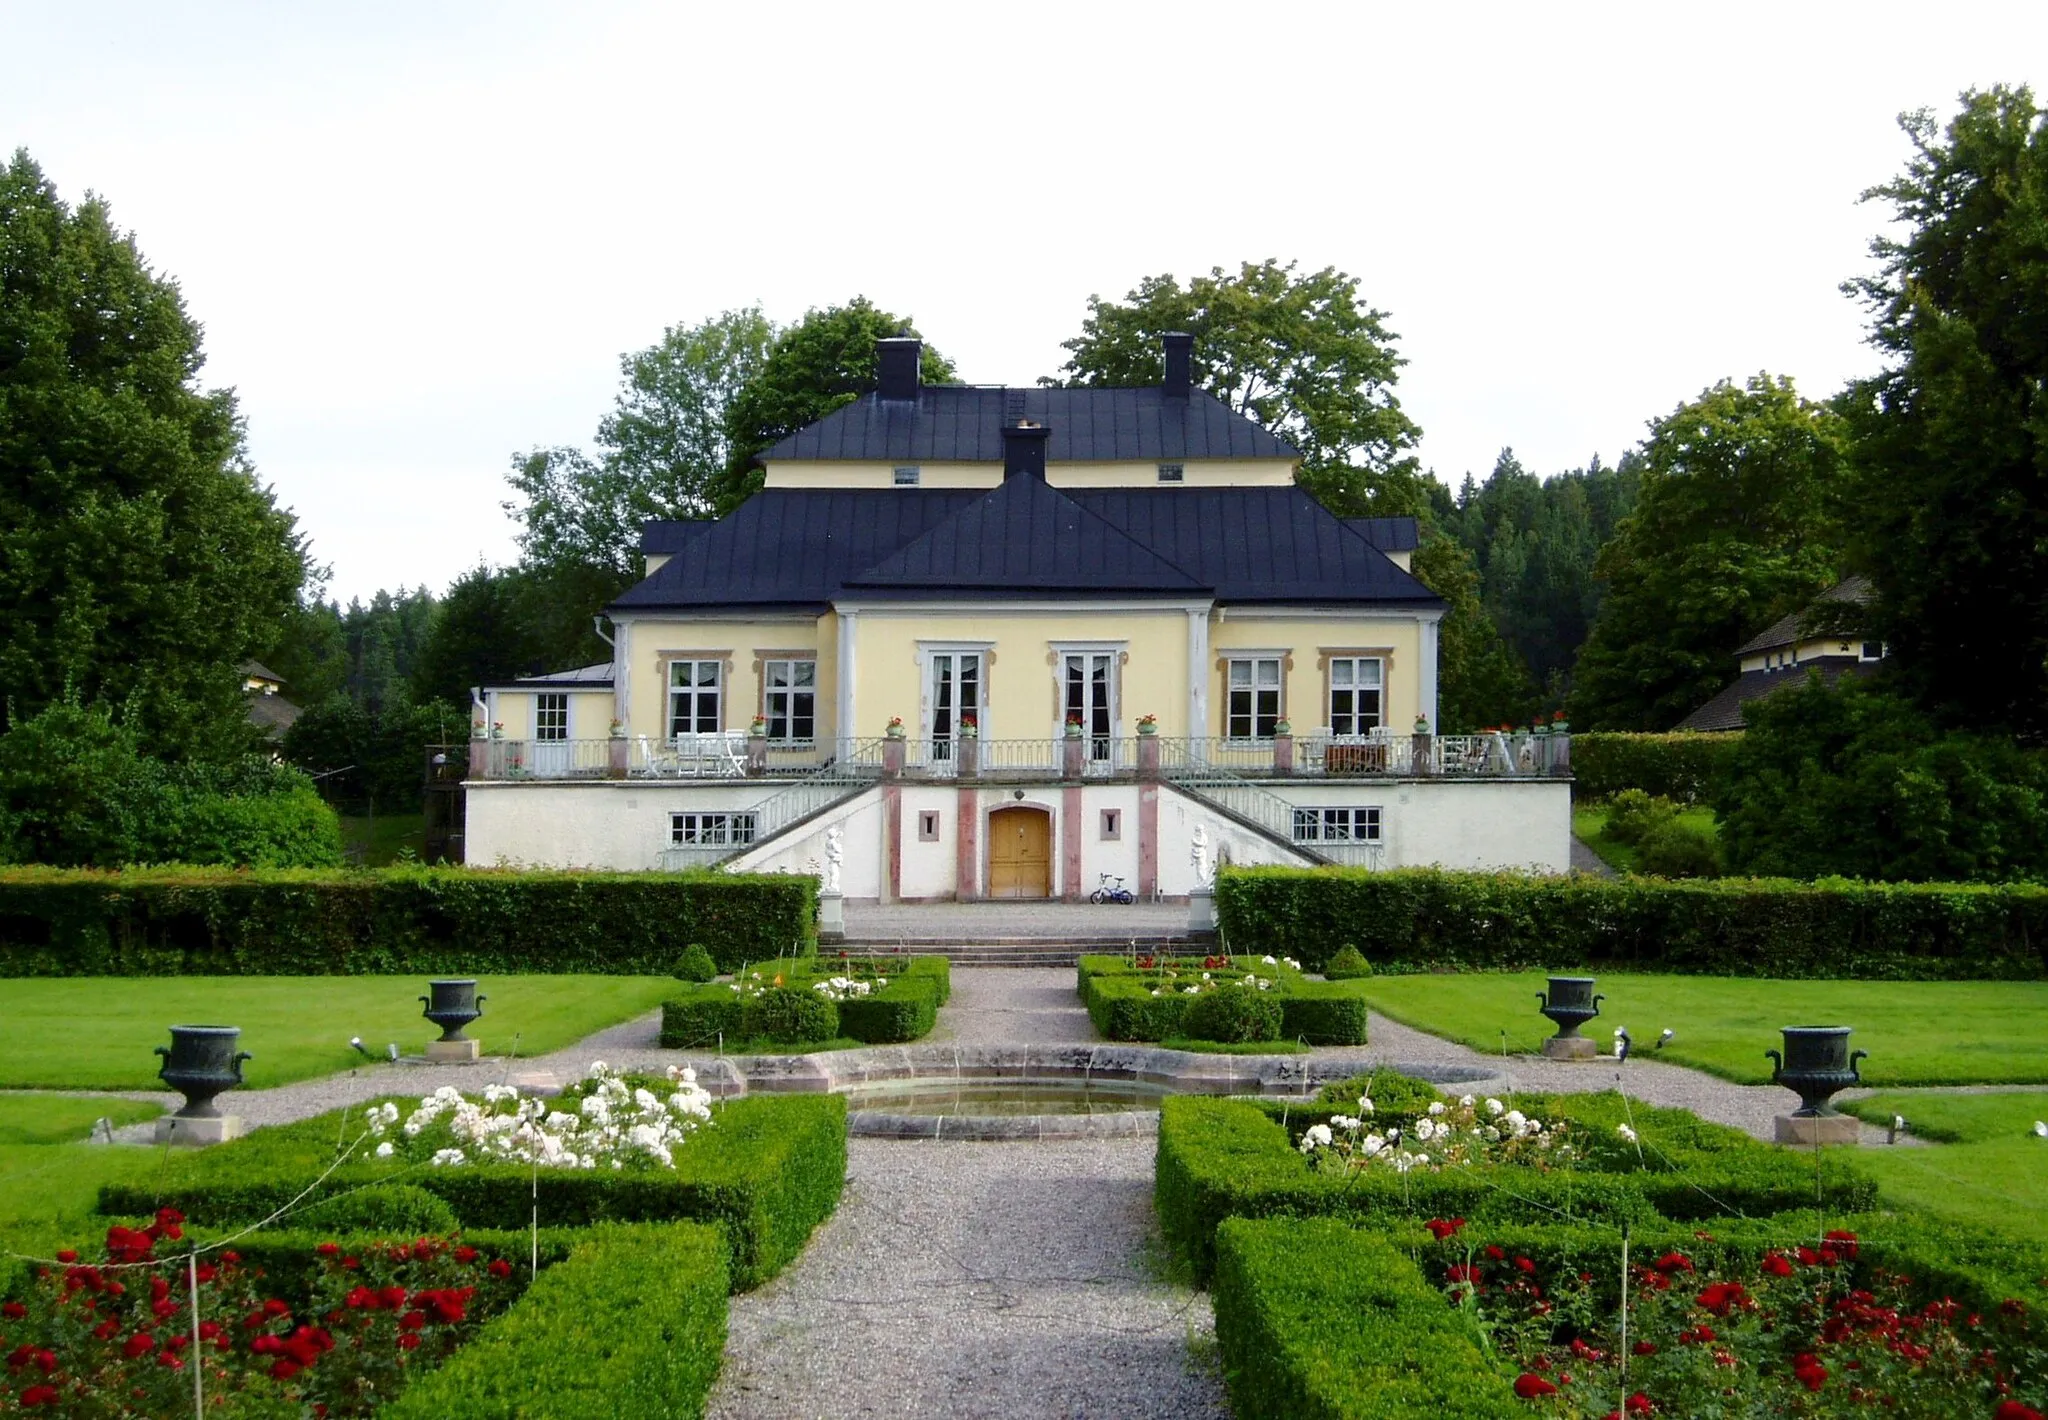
<point x="1589" y="826"/>
<point x="1991" y="1177"/>
<point x="47" y="1187"/>
<point x="64" y="1119"/>
<point x="1917" y="1032"/>
<point x="97" y="1032"/>
<point x="377" y="842"/>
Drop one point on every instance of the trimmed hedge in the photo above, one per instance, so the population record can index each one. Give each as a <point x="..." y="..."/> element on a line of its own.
<point x="768" y="1171"/>
<point x="1324" y="1013"/>
<point x="906" y="1009"/>
<point x="1318" y="1321"/>
<point x="1121" y="1005"/>
<point x="1223" y="1158"/>
<point x="1687" y="767"/>
<point x="631" y="1326"/>
<point x="218" y="922"/>
<point x="1424" y="919"/>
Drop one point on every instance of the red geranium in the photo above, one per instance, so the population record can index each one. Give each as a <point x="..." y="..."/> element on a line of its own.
<point x="1530" y="1386"/>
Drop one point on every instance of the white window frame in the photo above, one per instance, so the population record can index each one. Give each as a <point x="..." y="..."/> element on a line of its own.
<point x="1099" y="744"/>
<point x="696" y="691"/>
<point x="1173" y="473"/>
<point x="906" y="475"/>
<point x="721" y="828"/>
<point x="551" y="721"/>
<point x="927" y="706"/>
<point x="1339" y="823"/>
<point x="1379" y="691"/>
<point x="788" y="693"/>
<point x="1231" y="660"/>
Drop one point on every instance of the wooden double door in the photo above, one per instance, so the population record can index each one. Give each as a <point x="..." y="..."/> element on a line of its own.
<point x="1020" y="853"/>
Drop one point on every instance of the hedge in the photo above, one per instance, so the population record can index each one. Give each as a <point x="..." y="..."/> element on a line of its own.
<point x="1423" y="919"/>
<point x="220" y="922"/>
<point x="631" y="1326"/>
<point x="1318" y="1321"/>
<point x="1223" y="1158"/>
<point x="795" y="1014"/>
<point x="1687" y="767"/>
<point x="1122" y="1007"/>
<point x="767" y="1171"/>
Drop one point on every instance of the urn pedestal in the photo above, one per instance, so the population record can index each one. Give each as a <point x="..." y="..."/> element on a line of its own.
<point x="201" y="1063"/>
<point x="1570" y="1002"/>
<point x="831" y="917"/>
<point x="1202" y="912"/>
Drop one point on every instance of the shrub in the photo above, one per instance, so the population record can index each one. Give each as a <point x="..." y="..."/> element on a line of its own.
<point x="906" y="1009"/>
<point x="394" y="1209"/>
<point x="1678" y="850"/>
<point x="1390" y="1092"/>
<point x="768" y="1171"/>
<point x="1688" y="768"/>
<point x="702" y="1018"/>
<point x="1433" y="920"/>
<point x="1319" y="1321"/>
<point x="695" y="964"/>
<point x="640" y="1310"/>
<point x="790" y="1015"/>
<point x="1348" y="964"/>
<point x="1324" y="1013"/>
<point x="1234" y="1014"/>
<point x="430" y="921"/>
<point x="1633" y="815"/>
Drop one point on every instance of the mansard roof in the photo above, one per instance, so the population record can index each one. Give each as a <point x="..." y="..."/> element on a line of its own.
<point x="964" y="423"/>
<point x="804" y="548"/>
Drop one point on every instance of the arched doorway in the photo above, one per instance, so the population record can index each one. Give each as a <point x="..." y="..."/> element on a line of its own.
<point x="1020" y="852"/>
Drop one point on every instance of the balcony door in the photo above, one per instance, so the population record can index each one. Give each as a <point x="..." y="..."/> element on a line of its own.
<point x="551" y="755"/>
<point x="955" y="695"/>
<point x="1089" y="683"/>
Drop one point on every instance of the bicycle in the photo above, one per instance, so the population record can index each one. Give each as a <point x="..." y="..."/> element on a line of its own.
<point x="1118" y="894"/>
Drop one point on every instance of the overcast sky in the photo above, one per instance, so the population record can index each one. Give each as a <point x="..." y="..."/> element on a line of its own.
<point x="420" y="236"/>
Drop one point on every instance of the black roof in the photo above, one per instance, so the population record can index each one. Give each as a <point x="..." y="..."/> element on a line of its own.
<point x="1387" y="534"/>
<point x="669" y="534"/>
<point x="1724" y="711"/>
<point x="805" y="547"/>
<point x="965" y="423"/>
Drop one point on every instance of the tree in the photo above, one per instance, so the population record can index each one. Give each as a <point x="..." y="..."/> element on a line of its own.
<point x="1479" y="680"/>
<point x="365" y="653"/>
<point x="1737" y="524"/>
<point x="1303" y="355"/>
<point x="1951" y="441"/>
<point x="140" y="559"/>
<point x="825" y="360"/>
<point x="661" y="449"/>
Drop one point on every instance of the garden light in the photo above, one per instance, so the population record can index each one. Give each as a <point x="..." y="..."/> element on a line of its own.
<point x="1623" y="1041"/>
<point x="2041" y="1129"/>
<point x="1666" y="1038"/>
<point x="357" y="1042"/>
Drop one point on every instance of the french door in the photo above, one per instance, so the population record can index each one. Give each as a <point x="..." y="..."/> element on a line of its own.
<point x="956" y="698"/>
<point x="1090" y="683"/>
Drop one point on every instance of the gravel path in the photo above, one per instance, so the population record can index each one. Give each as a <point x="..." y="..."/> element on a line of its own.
<point x="1585" y="860"/>
<point x="980" y="921"/>
<point x="1005" y="1279"/>
<point x="1013" y="1005"/>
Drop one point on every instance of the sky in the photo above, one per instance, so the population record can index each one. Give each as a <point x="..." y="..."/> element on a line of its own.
<point x="419" y="236"/>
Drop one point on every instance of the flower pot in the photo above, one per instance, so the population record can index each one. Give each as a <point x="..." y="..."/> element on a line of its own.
<point x="453" y="1005"/>
<point x="200" y="1063"/>
<point x="1817" y="1062"/>
<point x="1571" y="1003"/>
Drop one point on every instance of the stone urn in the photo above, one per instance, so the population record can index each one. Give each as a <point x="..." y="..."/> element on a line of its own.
<point x="200" y="1063"/>
<point x="453" y="1005"/>
<point x="1817" y="1062"/>
<point x="1570" y="1002"/>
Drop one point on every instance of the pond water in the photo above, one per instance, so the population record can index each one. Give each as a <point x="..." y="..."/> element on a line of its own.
<point x="984" y="1098"/>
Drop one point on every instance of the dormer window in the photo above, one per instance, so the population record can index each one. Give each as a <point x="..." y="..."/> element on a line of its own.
<point x="906" y="475"/>
<point x="1172" y="472"/>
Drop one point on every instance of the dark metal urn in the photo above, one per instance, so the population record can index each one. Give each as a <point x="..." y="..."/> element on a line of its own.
<point x="1571" y="1003"/>
<point x="201" y="1062"/>
<point x="1817" y="1062"/>
<point x="453" y="1005"/>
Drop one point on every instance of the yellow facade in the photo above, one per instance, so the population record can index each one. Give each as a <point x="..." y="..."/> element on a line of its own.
<point x="1307" y="645"/>
<point x="852" y="473"/>
<point x="1811" y="649"/>
<point x="741" y="649"/>
<point x="1129" y="473"/>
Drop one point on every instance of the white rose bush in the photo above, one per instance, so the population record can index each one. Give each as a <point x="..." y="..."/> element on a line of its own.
<point x="1444" y="1136"/>
<point x="615" y="1124"/>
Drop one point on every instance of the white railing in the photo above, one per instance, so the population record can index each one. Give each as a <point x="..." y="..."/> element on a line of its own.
<point x="731" y="755"/>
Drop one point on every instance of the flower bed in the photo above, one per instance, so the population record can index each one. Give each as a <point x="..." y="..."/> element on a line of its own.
<point x="1148" y="998"/>
<point x="767" y="1170"/>
<point x="874" y="1001"/>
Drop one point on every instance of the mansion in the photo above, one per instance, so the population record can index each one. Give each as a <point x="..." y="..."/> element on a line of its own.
<point x="1014" y="643"/>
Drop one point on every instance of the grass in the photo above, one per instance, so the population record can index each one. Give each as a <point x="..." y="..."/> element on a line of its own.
<point x="48" y="1191"/>
<point x="97" y="1032"/>
<point x="1992" y="1175"/>
<point x="1248" y="1047"/>
<point x="377" y="842"/>
<point x="1960" y="1119"/>
<point x="1589" y="826"/>
<point x="1917" y="1032"/>
<point x="64" y="1119"/>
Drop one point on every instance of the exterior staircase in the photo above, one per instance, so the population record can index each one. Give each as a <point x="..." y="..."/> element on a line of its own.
<point x="1263" y="812"/>
<point x="1019" y="951"/>
<point x="775" y="816"/>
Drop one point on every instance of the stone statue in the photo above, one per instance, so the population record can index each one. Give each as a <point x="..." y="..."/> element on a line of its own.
<point x="1198" y="853"/>
<point x="835" y="854"/>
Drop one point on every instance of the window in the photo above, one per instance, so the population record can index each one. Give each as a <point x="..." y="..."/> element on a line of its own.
<point x="1089" y="692"/>
<point x="1252" y="702"/>
<point x="1337" y="825"/>
<point x="551" y="716"/>
<point x="1871" y="651"/>
<point x="927" y="825"/>
<point x="906" y="475"/>
<point x="721" y="830"/>
<point x="694" y="694"/>
<point x="1112" y="825"/>
<point x="790" y="700"/>
<point x="955" y="697"/>
<point x="1172" y="472"/>
<point x="1355" y="694"/>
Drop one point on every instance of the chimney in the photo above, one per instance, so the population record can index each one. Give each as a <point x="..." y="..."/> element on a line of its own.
<point x="896" y="362"/>
<point x="1180" y="359"/>
<point x="1024" y="450"/>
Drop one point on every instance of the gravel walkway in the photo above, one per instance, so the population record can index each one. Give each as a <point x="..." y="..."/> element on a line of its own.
<point x="1016" y="1005"/>
<point x="982" y="921"/>
<point x="1011" y="1280"/>
<point x="1585" y="860"/>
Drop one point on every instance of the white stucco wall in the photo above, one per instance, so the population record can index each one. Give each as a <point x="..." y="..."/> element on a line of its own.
<point x="1480" y="824"/>
<point x="589" y="824"/>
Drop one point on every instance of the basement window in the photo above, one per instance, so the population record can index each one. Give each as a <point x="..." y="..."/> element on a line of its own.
<point x="928" y="826"/>
<point x="1345" y="825"/>
<point x="726" y="830"/>
<point x="1112" y="825"/>
<point x="1172" y="472"/>
<point x="906" y="475"/>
